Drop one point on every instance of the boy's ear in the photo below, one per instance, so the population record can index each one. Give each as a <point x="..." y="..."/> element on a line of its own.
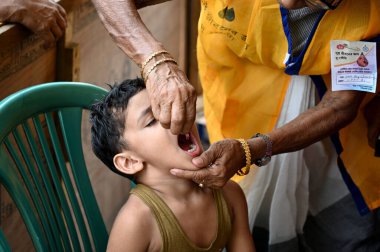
<point x="128" y="163"/>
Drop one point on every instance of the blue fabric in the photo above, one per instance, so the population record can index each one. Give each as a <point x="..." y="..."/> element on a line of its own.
<point x="284" y="15"/>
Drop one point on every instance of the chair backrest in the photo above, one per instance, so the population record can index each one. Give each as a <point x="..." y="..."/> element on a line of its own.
<point x="4" y="246"/>
<point x="43" y="168"/>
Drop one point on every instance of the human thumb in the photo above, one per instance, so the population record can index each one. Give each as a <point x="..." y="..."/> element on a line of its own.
<point x="206" y="158"/>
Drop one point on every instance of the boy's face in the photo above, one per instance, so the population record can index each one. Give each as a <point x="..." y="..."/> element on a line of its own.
<point x="152" y="143"/>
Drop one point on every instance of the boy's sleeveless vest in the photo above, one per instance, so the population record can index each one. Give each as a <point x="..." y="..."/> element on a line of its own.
<point x="173" y="237"/>
<point x="245" y="72"/>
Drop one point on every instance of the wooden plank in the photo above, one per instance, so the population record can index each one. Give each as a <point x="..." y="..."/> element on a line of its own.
<point x="193" y="10"/>
<point x="26" y="65"/>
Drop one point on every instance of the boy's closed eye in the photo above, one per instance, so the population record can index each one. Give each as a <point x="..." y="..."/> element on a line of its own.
<point x="146" y="116"/>
<point x="151" y="122"/>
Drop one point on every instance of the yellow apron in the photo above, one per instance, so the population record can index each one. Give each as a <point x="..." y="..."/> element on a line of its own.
<point x="241" y="51"/>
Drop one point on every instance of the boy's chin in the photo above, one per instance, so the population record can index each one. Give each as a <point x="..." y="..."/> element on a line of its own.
<point x="184" y="161"/>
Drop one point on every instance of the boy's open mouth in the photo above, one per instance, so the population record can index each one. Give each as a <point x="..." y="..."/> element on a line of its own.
<point x="188" y="143"/>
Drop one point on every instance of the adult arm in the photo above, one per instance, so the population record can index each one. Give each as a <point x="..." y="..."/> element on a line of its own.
<point x="241" y="238"/>
<point x="335" y="111"/>
<point x="372" y="115"/>
<point x="43" y="17"/>
<point x="172" y="97"/>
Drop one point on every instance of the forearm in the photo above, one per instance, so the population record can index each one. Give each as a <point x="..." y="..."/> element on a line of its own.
<point x="372" y="115"/>
<point x="335" y="111"/>
<point x="225" y="157"/>
<point x="124" y="24"/>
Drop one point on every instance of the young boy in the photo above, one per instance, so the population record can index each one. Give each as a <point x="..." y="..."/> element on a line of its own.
<point x="163" y="212"/>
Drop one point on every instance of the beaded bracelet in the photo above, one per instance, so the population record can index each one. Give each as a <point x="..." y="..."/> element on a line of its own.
<point x="147" y="60"/>
<point x="154" y="66"/>
<point x="150" y="57"/>
<point x="247" y="153"/>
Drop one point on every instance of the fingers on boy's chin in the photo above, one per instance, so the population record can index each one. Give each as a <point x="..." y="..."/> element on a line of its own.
<point x="187" y="167"/>
<point x="176" y="172"/>
<point x="199" y="161"/>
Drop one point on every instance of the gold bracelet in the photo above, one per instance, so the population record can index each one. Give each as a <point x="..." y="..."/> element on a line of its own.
<point x="154" y="66"/>
<point x="247" y="152"/>
<point x="150" y="57"/>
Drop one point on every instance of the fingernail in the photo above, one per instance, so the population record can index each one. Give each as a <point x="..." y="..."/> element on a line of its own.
<point x="196" y="161"/>
<point x="173" y="171"/>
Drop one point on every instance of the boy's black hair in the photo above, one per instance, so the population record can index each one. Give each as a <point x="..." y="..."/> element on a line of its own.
<point x="107" y="119"/>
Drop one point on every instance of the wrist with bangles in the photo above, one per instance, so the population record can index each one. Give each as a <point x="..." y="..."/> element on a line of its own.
<point x="264" y="160"/>
<point x="247" y="153"/>
<point x="153" y="61"/>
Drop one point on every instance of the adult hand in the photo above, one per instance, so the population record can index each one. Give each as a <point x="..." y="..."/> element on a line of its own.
<point x="172" y="97"/>
<point x="217" y="165"/>
<point x="372" y="115"/>
<point x="44" y="17"/>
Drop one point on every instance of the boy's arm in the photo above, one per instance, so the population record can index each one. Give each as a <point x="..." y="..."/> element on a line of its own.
<point x="132" y="229"/>
<point x="241" y="239"/>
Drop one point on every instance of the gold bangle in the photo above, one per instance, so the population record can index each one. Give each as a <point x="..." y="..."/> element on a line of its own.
<point x="154" y="66"/>
<point x="247" y="153"/>
<point x="150" y="57"/>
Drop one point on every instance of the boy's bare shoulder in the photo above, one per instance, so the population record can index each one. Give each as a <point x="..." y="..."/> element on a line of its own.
<point x="135" y="225"/>
<point x="232" y="190"/>
<point x="135" y="207"/>
<point x="233" y="194"/>
<point x="134" y="213"/>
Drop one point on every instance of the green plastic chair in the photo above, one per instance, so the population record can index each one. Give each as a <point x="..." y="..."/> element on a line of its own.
<point x="58" y="207"/>
<point x="4" y="246"/>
